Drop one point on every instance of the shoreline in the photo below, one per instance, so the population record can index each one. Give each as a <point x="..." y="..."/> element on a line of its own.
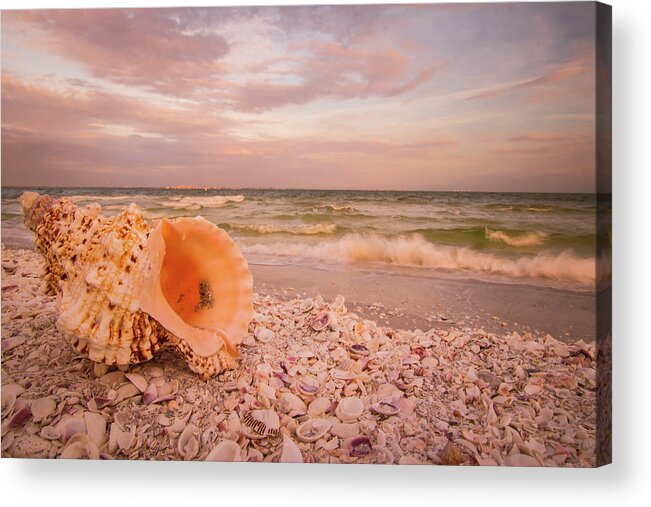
<point x="405" y="300"/>
<point x="445" y="395"/>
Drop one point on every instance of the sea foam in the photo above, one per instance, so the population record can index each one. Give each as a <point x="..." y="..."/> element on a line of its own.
<point x="414" y="250"/>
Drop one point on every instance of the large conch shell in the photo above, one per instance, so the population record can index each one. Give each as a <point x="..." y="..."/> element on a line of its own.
<point x="125" y="289"/>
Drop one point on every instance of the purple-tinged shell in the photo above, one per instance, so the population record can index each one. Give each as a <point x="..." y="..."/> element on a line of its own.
<point x="321" y="321"/>
<point x="20" y="418"/>
<point x="360" y="446"/>
<point x="358" y="349"/>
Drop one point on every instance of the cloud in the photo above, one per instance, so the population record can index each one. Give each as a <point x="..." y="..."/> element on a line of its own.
<point x="150" y="48"/>
<point x="336" y="71"/>
<point x="180" y="53"/>
<point x="566" y="71"/>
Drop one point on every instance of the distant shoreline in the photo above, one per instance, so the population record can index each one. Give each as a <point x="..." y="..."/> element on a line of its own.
<point x="210" y="187"/>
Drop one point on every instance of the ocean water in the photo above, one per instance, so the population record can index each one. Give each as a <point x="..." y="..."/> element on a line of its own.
<point x="529" y="238"/>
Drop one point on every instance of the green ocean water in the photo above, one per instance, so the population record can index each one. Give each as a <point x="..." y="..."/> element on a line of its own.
<point x="522" y="237"/>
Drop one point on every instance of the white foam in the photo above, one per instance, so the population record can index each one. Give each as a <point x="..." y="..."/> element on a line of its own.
<point x="414" y="250"/>
<point x="525" y="239"/>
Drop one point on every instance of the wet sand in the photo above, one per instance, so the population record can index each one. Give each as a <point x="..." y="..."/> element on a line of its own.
<point x="409" y="300"/>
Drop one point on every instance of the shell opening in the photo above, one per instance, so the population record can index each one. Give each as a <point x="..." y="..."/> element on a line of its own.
<point x="200" y="289"/>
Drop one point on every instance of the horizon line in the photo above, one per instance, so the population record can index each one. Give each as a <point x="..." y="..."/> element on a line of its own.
<point x="206" y="188"/>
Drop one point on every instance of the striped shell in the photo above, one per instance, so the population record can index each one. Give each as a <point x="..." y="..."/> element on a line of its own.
<point x="124" y="289"/>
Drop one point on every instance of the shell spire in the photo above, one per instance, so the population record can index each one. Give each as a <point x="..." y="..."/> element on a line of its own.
<point x="125" y="289"/>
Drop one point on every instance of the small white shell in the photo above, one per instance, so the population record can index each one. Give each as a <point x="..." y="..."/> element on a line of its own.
<point x="80" y="446"/>
<point x="95" y="427"/>
<point x="384" y="408"/>
<point x="291" y="453"/>
<point x="226" y="450"/>
<point x="42" y="407"/>
<point x="188" y="445"/>
<point x="312" y="430"/>
<point x="318" y="407"/>
<point x="349" y="409"/>
<point x="520" y="460"/>
<point x="138" y="380"/>
<point x="263" y="335"/>
<point x="323" y="320"/>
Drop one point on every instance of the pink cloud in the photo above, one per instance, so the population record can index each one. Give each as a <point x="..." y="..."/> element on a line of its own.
<point x="337" y="71"/>
<point x="142" y="47"/>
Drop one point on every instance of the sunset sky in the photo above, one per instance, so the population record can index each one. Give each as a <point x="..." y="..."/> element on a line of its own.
<point x="496" y="97"/>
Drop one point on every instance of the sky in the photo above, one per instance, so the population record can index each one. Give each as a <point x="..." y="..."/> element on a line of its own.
<point x="481" y="97"/>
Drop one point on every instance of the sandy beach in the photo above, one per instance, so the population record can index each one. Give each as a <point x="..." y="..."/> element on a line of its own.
<point x="460" y="384"/>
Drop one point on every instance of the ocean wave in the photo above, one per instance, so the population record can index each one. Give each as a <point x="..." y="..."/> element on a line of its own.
<point x="414" y="250"/>
<point x="533" y="238"/>
<point x="335" y="209"/>
<point x="191" y="203"/>
<point x="106" y="198"/>
<point x="276" y="229"/>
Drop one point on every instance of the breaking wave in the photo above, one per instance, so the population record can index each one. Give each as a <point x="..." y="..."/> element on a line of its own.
<point x="275" y="229"/>
<point x="335" y="209"/>
<point x="191" y="203"/>
<point x="416" y="251"/>
<point x="525" y="239"/>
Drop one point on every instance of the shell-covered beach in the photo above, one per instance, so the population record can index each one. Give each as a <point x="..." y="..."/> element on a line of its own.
<point x="343" y="390"/>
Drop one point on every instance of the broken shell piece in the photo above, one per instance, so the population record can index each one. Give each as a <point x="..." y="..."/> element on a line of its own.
<point x="80" y="446"/>
<point x="262" y="422"/>
<point x="42" y="408"/>
<point x="263" y="335"/>
<point x="226" y="450"/>
<point x="359" y="446"/>
<point x="188" y="445"/>
<point x="349" y="409"/>
<point x="291" y="453"/>
<point x="409" y="460"/>
<point x="9" y="394"/>
<point x="359" y="350"/>
<point x="385" y="408"/>
<point x="338" y="305"/>
<point x="312" y="430"/>
<point x="138" y="380"/>
<point x="521" y="460"/>
<point x="345" y="430"/>
<point x="532" y="389"/>
<point x="318" y="407"/>
<point x="120" y="439"/>
<point x="321" y="321"/>
<point x="289" y="402"/>
<point x="95" y="427"/>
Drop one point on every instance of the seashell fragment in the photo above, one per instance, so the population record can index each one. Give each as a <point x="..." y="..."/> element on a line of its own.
<point x="290" y="453"/>
<point x="80" y="446"/>
<point x="262" y="422"/>
<point x="318" y="407"/>
<point x="188" y="445"/>
<point x="521" y="460"/>
<point x="312" y="430"/>
<point x="349" y="409"/>
<point x="95" y="427"/>
<point x="322" y="321"/>
<point x="42" y="407"/>
<point x="124" y="289"/>
<point x="359" y="446"/>
<point x="263" y="335"/>
<point x="226" y="450"/>
<point x="385" y="408"/>
<point x="138" y="380"/>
